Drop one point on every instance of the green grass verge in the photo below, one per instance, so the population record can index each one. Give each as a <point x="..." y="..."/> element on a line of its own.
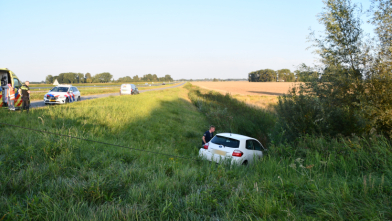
<point x="98" y="84"/>
<point x="91" y="90"/>
<point x="45" y="177"/>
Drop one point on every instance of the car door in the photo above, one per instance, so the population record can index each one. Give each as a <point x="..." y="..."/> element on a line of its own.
<point x="133" y="87"/>
<point x="77" y="93"/>
<point x="258" y="149"/>
<point x="249" y="151"/>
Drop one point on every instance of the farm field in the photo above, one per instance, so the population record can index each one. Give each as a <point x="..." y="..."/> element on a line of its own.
<point x="259" y="94"/>
<point x="248" y="88"/>
<point x="49" y="177"/>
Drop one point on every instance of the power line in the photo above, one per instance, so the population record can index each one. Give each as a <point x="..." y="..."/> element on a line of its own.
<point x="41" y="131"/>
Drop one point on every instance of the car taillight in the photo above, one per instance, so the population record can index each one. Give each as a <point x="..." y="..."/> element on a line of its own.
<point x="237" y="153"/>
<point x="205" y="146"/>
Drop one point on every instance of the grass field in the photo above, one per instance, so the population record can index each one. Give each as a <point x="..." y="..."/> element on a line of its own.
<point x="96" y="84"/>
<point x="47" y="177"/>
<point x="39" y="94"/>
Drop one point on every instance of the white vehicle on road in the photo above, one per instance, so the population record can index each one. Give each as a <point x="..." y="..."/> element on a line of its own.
<point x="237" y="149"/>
<point x="128" y="89"/>
<point x="62" y="94"/>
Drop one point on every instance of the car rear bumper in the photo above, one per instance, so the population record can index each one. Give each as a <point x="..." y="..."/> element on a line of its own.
<point x="128" y="93"/>
<point x="203" y="153"/>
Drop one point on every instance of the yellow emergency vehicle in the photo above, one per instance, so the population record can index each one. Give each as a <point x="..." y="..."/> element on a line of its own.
<point x="8" y="77"/>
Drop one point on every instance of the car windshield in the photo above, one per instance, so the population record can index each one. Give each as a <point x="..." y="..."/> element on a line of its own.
<point x="59" y="89"/>
<point x="225" y="141"/>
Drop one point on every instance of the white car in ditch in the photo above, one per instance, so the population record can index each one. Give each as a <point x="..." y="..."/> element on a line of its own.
<point x="62" y="94"/>
<point x="235" y="148"/>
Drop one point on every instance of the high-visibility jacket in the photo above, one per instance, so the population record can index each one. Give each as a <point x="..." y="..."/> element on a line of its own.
<point x="11" y="93"/>
<point x="24" y="92"/>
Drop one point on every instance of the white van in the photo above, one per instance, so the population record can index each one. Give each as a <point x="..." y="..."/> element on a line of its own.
<point x="128" y="89"/>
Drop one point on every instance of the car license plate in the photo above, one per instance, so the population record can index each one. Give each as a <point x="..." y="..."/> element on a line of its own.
<point x="219" y="152"/>
<point x="52" y="100"/>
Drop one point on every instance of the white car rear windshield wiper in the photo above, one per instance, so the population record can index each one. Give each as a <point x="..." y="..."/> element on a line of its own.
<point x="220" y="144"/>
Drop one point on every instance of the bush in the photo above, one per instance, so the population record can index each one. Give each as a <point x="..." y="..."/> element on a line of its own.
<point x="300" y="114"/>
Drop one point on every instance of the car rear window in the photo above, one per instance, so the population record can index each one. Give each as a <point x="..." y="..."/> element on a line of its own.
<point x="225" y="141"/>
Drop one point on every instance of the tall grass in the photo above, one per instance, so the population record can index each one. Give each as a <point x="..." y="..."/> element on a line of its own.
<point x="45" y="177"/>
<point x="232" y="115"/>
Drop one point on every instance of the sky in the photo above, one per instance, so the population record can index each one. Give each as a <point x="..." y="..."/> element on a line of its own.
<point x="186" y="39"/>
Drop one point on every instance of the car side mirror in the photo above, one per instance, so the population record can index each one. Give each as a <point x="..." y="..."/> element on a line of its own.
<point x="71" y="91"/>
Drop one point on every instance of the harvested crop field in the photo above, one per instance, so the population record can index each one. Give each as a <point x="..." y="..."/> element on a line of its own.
<point x="248" y="88"/>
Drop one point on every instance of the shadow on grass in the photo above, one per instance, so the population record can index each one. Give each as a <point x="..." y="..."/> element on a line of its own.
<point x="266" y="93"/>
<point x="232" y="115"/>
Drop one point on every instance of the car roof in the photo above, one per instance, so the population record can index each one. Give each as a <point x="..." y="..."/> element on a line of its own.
<point x="64" y="85"/>
<point x="235" y="136"/>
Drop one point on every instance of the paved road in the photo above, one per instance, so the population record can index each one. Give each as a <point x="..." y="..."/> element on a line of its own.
<point x="35" y="104"/>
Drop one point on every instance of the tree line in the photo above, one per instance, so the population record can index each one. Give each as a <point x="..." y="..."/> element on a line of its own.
<point x="303" y="73"/>
<point x="147" y="77"/>
<point x="105" y="77"/>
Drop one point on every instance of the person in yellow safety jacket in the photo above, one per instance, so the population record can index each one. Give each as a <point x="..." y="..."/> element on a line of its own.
<point x="25" y="92"/>
<point x="11" y="97"/>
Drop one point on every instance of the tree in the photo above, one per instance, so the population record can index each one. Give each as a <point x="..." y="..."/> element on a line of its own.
<point x="125" y="79"/>
<point x="68" y="77"/>
<point x="88" y="78"/>
<point x="342" y="45"/>
<point x="253" y="76"/>
<point x="80" y="78"/>
<point x="154" y="77"/>
<point x="382" y="19"/>
<point x="49" y="79"/>
<point x="267" y="75"/>
<point x="168" y="78"/>
<point x="147" y="77"/>
<point x="377" y="102"/>
<point x="285" y="75"/>
<point x="102" y="77"/>
<point x="136" y="78"/>
<point x="305" y="73"/>
<point x="330" y="104"/>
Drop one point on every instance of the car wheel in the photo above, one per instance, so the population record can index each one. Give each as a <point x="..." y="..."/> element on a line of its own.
<point x="66" y="100"/>
<point x="79" y="99"/>
<point x="245" y="163"/>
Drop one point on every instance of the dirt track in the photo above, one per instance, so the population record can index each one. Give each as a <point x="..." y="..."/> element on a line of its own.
<point x="248" y="88"/>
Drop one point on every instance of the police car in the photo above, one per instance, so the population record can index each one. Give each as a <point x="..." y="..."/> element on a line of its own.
<point x="62" y="94"/>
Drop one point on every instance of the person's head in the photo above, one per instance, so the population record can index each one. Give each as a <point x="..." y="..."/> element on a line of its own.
<point x="27" y="83"/>
<point x="212" y="128"/>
